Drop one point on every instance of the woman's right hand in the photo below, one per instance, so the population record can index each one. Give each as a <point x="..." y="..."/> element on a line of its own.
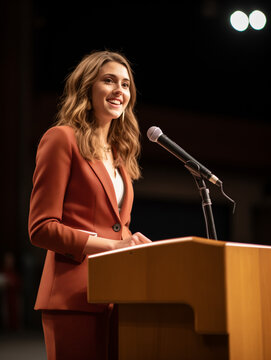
<point x="135" y="239"/>
<point x="97" y="244"/>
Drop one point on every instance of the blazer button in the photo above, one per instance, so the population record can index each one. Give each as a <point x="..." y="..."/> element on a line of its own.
<point x="116" y="227"/>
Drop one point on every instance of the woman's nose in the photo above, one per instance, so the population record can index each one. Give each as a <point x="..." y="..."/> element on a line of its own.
<point x="118" y="88"/>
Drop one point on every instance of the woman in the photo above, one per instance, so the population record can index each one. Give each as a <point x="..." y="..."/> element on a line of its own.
<point x="82" y="199"/>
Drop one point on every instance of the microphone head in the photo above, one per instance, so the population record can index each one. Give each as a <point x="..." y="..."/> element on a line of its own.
<point x="153" y="133"/>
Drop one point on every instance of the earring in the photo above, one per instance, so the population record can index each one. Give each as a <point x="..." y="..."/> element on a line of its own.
<point x="123" y="116"/>
<point x="89" y="105"/>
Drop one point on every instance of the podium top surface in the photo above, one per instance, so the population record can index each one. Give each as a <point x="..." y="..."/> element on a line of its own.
<point x="170" y="242"/>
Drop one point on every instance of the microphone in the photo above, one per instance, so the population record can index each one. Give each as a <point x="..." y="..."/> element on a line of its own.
<point x="155" y="134"/>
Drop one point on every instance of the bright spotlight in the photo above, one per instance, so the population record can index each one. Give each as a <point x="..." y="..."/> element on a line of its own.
<point x="257" y="20"/>
<point x="239" y="20"/>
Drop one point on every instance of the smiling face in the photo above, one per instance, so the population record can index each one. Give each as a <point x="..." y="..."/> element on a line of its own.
<point x="110" y="92"/>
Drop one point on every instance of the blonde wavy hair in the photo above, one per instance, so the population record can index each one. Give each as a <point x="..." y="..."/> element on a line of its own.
<point x="75" y="111"/>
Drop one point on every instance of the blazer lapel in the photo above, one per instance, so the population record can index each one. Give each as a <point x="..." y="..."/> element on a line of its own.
<point x="102" y="174"/>
<point x="128" y="196"/>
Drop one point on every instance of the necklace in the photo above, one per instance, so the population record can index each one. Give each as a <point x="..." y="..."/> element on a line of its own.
<point x="107" y="150"/>
<point x="109" y="164"/>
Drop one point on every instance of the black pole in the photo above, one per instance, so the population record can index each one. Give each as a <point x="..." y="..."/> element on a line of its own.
<point x="206" y="207"/>
<point x="206" y="200"/>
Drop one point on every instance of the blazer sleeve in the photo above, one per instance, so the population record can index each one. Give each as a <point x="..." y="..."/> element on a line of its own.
<point x="50" y="179"/>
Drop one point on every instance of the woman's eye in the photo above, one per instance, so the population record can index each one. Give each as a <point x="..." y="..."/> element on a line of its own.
<point x="125" y="85"/>
<point x="108" y="80"/>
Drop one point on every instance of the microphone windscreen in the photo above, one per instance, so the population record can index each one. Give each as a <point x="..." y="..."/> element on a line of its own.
<point x="153" y="133"/>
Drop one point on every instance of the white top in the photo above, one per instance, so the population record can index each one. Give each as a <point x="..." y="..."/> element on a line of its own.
<point x="119" y="187"/>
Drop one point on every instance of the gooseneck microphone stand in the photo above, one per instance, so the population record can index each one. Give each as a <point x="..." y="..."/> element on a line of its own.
<point x="206" y="207"/>
<point x="206" y="200"/>
<point x="194" y="169"/>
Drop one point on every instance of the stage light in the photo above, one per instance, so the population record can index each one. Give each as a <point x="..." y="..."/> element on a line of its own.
<point x="257" y="20"/>
<point x="239" y="20"/>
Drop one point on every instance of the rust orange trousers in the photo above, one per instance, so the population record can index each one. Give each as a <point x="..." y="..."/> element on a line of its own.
<point x="72" y="335"/>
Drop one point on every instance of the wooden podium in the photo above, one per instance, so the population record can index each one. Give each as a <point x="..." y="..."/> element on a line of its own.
<point x="187" y="298"/>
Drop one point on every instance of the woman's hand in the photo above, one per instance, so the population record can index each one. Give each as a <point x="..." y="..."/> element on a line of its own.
<point x="96" y="244"/>
<point x="135" y="239"/>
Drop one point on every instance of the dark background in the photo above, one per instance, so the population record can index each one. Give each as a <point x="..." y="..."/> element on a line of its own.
<point x="204" y="84"/>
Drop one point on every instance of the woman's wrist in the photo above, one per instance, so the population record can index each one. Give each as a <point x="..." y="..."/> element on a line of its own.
<point x="97" y="244"/>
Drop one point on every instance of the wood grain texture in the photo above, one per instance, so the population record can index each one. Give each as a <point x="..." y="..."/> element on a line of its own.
<point x="225" y="284"/>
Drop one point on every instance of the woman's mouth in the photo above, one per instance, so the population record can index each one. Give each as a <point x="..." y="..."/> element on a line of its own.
<point x="114" y="102"/>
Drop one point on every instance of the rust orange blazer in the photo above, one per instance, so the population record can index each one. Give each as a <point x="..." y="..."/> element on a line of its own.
<point x="69" y="193"/>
